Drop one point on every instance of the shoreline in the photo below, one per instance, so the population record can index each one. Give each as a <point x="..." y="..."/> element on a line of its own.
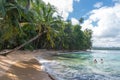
<point x="16" y="61"/>
<point x="22" y="65"/>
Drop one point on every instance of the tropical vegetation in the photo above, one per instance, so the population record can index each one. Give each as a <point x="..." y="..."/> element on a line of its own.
<point x="32" y="24"/>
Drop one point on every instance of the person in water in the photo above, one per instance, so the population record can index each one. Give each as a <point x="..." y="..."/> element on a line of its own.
<point x="101" y="60"/>
<point x="95" y="61"/>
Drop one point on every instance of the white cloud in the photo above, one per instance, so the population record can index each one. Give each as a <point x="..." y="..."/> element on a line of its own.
<point x="98" y="4"/>
<point x="64" y="7"/>
<point x="106" y="31"/>
<point x="77" y="0"/>
<point x="107" y="42"/>
<point x="116" y="0"/>
<point x="74" y="21"/>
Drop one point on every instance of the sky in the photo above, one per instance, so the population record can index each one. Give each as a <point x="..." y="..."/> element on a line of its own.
<point x="101" y="16"/>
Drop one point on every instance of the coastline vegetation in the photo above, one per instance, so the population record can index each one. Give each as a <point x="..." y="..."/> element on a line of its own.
<point x="32" y="24"/>
<point x="106" y="48"/>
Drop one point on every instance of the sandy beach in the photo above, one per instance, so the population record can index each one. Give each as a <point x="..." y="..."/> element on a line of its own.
<point x="22" y="65"/>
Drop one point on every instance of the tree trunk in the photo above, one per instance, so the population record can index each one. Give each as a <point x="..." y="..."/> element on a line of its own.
<point x="17" y="48"/>
<point x="28" y="5"/>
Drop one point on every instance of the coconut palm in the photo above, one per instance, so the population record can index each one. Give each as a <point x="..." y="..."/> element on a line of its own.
<point x="47" y="22"/>
<point x="32" y="23"/>
<point x="44" y="21"/>
<point x="12" y="16"/>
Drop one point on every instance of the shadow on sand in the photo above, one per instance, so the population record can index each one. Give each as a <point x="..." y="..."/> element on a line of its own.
<point x="25" y="70"/>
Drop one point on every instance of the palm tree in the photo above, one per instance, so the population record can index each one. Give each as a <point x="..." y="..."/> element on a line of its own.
<point x="44" y="20"/>
<point x="47" y="22"/>
<point x="12" y="15"/>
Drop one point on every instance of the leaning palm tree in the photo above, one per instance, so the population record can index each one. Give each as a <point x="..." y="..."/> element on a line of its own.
<point x="44" y="20"/>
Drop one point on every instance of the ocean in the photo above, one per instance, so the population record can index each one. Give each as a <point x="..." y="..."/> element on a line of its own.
<point x="82" y="65"/>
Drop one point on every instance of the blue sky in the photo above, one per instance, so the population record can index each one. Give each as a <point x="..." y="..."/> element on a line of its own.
<point x="101" y="16"/>
<point x="82" y="7"/>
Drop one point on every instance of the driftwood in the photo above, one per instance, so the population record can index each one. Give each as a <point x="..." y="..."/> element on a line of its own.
<point x="4" y="53"/>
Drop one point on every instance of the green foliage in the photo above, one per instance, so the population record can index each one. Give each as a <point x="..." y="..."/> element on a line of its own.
<point x="22" y="20"/>
<point x="71" y="37"/>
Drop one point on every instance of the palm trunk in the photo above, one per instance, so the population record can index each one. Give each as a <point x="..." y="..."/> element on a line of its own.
<point x="28" y="5"/>
<point x="17" y="48"/>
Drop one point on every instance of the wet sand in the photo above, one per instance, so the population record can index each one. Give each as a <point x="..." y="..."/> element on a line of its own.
<point x="22" y="65"/>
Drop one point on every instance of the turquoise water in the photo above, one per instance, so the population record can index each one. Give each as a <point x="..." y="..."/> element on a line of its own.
<point x="81" y="65"/>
